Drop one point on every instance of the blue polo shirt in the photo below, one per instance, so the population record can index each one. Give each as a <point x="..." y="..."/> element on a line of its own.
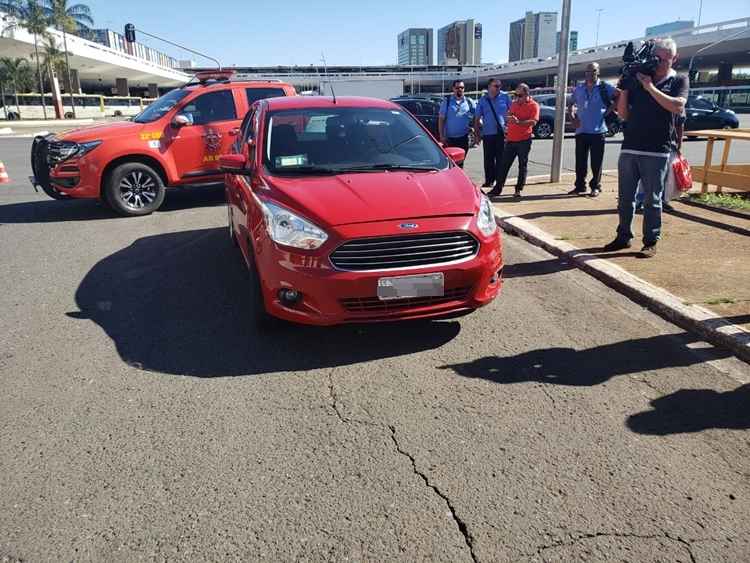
<point x="459" y="116"/>
<point x="501" y="103"/>
<point x="591" y="108"/>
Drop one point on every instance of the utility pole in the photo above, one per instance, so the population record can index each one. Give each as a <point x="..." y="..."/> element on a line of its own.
<point x="598" y="20"/>
<point x="700" y="9"/>
<point x="562" y="88"/>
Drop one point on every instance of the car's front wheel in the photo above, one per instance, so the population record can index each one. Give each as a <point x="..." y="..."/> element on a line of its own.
<point x="134" y="189"/>
<point x="543" y="130"/>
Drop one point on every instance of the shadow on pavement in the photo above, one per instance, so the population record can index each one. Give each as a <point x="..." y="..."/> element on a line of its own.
<point x="53" y="211"/>
<point x="592" y="366"/>
<point x="178" y="303"/>
<point x="540" y="268"/>
<point x="694" y="410"/>
<point x="569" y="213"/>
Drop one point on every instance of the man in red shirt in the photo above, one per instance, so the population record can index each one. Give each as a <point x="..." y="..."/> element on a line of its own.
<point x="522" y="116"/>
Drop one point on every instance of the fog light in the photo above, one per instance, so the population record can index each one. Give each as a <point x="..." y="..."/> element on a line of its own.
<point x="289" y="296"/>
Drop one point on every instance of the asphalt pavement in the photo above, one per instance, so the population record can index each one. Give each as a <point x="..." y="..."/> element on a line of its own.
<point x="143" y="417"/>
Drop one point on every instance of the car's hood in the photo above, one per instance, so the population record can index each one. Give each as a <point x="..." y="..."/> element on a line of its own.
<point x="377" y="196"/>
<point x="101" y="131"/>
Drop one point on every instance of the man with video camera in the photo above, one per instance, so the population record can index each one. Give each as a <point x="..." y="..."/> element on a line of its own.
<point x="653" y="97"/>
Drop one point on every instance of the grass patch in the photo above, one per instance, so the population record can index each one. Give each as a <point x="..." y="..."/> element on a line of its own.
<point x="721" y="301"/>
<point x="728" y="201"/>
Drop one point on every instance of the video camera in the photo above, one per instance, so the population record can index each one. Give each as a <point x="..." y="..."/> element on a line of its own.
<point x="644" y="60"/>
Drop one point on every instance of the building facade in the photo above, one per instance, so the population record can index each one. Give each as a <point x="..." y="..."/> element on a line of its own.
<point x="667" y="28"/>
<point x="533" y="36"/>
<point x="415" y="46"/>
<point x="117" y="41"/>
<point x="572" y="44"/>
<point x="460" y="43"/>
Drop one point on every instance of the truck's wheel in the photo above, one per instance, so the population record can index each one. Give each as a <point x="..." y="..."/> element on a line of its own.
<point x="134" y="188"/>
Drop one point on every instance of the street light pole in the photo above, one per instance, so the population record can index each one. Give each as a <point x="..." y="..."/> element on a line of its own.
<point x="598" y="20"/>
<point x="700" y="9"/>
<point x="562" y="87"/>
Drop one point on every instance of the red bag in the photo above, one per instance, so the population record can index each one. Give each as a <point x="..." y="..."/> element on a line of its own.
<point x="683" y="177"/>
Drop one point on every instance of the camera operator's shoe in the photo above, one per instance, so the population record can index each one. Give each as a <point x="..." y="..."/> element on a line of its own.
<point x="648" y="250"/>
<point x="494" y="192"/>
<point x="617" y="244"/>
<point x="487" y="185"/>
<point x="596" y="192"/>
<point x="576" y="191"/>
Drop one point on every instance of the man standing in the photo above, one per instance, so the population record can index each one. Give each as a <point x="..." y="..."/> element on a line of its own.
<point x="455" y="118"/>
<point x="522" y="116"/>
<point x="651" y="107"/>
<point x="587" y="107"/>
<point x="491" y="109"/>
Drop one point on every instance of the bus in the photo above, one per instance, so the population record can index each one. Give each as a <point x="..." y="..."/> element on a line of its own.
<point x="87" y="106"/>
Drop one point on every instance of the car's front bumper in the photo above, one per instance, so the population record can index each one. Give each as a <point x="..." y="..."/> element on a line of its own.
<point x="331" y="296"/>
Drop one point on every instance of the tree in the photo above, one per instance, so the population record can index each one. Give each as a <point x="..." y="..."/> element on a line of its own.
<point x="69" y="19"/>
<point x="13" y="70"/>
<point x="34" y="17"/>
<point x="53" y="59"/>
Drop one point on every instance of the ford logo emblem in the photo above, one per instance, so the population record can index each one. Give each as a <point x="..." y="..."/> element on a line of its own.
<point x="408" y="225"/>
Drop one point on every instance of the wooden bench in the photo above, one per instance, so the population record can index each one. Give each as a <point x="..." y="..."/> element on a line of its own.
<point x="735" y="176"/>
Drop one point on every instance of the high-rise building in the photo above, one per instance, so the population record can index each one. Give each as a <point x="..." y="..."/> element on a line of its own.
<point x="667" y="28"/>
<point x="460" y="43"/>
<point x="572" y="43"/>
<point x="415" y="46"/>
<point x="533" y="36"/>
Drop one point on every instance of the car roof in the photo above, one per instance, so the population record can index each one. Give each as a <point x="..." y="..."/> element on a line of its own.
<point x="302" y="102"/>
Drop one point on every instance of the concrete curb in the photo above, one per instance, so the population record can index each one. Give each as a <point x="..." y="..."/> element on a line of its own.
<point x="6" y="131"/>
<point x="690" y="317"/>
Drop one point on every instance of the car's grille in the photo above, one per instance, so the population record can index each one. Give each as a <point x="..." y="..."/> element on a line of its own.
<point x="386" y="253"/>
<point x="373" y="305"/>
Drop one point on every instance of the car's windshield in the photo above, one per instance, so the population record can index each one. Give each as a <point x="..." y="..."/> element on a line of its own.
<point x="330" y="140"/>
<point x="160" y="107"/>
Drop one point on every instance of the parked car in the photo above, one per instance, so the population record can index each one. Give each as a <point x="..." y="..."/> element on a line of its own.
<point x="347" y="210"/>
<point x="175" y="141"/>
<point x="426" y="109"/>
<point x="545" y="127"/>
<point x="701" y="113"/>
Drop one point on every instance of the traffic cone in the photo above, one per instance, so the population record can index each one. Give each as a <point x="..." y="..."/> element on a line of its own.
<point x="4" y="178"/>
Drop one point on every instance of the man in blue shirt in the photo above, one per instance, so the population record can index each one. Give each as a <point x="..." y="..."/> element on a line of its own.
<point x="587" y="107"/>
<point x="491" y="110"/>
<point x="455" y="118"/>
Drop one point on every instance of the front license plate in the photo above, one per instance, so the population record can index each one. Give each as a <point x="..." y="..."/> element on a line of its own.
<point x="404" y="287"/>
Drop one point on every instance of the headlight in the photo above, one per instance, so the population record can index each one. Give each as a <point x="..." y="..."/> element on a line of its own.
<point x="68" y="150"/>
<point x="284" y="227"/>
<point x="486" y="217"/>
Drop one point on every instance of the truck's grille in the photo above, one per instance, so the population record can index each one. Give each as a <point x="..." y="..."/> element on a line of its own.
<point x="386" y="253"/>
<point x="374" y="305"/>
<point x="57" y="151"/>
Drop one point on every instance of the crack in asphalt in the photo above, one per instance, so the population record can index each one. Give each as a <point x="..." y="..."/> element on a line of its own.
<point x="585" y="536"/>
<point x="459" y="523"/>
<point x="335" y="405"/>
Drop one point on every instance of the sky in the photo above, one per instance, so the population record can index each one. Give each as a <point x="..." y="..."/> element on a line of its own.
<point x="296" y="32"/>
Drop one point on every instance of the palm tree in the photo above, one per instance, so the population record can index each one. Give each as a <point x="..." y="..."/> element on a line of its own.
<point x="35" y="19"/>
<point x="13" y="70"/>
<point x="53" y="59"/>
<point x="69" y="19"/>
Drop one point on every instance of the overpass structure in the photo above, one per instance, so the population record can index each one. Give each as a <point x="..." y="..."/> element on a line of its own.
<point x="731" y="39"/>
<point x="94" y="66"/>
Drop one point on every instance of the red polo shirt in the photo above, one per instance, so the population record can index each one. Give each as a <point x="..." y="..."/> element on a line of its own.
<point x="523" y="111"/>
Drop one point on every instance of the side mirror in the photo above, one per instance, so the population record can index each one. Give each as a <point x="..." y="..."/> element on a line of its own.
<point x="181" y="120"/>
<point x="456" y="154"/>
<point x="233" y="163"/>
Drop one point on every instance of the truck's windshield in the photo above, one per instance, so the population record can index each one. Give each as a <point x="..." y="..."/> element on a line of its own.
<point x="160" y="107"/>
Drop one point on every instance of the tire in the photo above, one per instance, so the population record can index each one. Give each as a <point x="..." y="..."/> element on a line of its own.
<point x="543" y="130"/>
<point x="134" y="189"/>
<point x="69" y="115"/>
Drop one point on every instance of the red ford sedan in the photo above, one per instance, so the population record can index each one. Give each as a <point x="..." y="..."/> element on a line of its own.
<point x="348" y="210"/>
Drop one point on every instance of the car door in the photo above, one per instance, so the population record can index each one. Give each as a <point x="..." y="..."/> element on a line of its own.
<point x="196" y="147"/>
<point x="242" y="185"/>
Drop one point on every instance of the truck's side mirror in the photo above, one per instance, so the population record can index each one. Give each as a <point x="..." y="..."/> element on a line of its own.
<point x="181" y="120"/>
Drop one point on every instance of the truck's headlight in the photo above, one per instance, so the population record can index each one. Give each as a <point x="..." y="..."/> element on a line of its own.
<point x="84" y="148"/>
<point x="68" y="150"/>
<point x="486" y="217"/>
<point x="284" y="227"/>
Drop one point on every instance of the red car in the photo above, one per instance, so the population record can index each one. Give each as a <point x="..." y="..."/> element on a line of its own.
<point x="347" y="210"/>
<point x="175" y="141"/>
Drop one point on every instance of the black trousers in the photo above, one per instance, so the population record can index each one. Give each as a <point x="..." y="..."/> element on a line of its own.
<point x="512" y="150"/>
<point x="462" y="142"/>
<point x="493" y="156"/>
<point x="589" y="143"/>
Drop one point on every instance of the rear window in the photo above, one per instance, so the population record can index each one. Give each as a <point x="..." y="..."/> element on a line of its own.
<point x="255" y="94"/>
